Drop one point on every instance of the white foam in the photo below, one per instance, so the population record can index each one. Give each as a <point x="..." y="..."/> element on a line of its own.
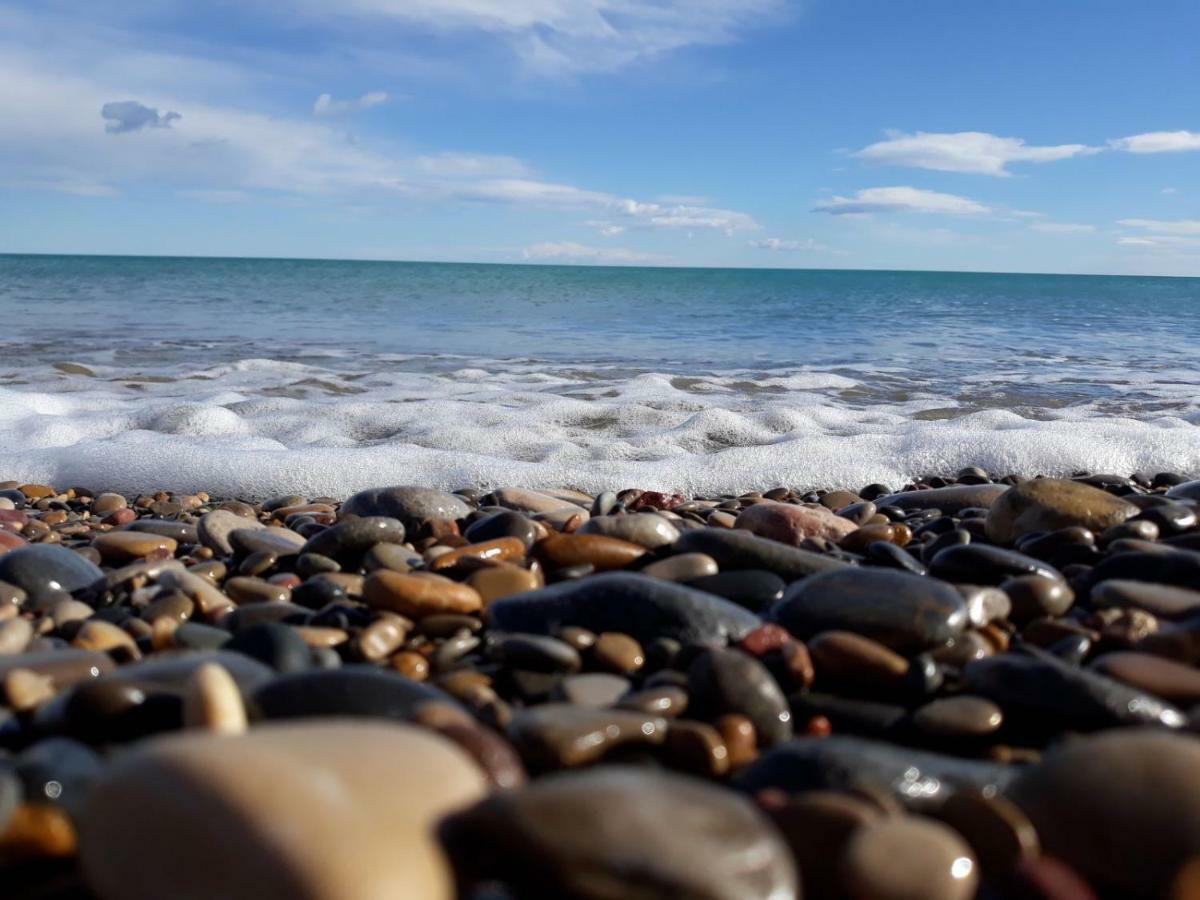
<point x="258" y="427"/>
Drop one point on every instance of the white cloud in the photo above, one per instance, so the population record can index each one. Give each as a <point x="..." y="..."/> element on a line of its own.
<point x="1164" y="226"/>
<point x="900" y="200"/>
<point x="122" y="116"/>
<point x="1158" y="142"/>
<point x="1161" y="242"/>
<point x="965" y="151"/>
<point x="569" y="250"/>
<point x="327" y="106"/>
<point x="780" y="244"/>
<point x="572" y="36"/>
<point x="1062" y="228"/>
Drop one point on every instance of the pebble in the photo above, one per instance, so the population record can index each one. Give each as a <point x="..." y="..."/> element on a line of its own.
<point x="1133" y="793"/>
<point x="1047" y="504"/>
<point x="649" y="530"/>
<point x="984" y="564"/>
<point x="411" y="505"/>
<point x="644" y="608"/>
<point x="212" y="701"/>
<point x="214" y="529"/>
<point x="905" y="612"/>
<point x="1032" y="596"/>
<point x="43" y="569"/>
<point x="358" y="691"/>
<point x="349" y="539"/>
<point x="962" y="716"/>
<point x="950" y="500"/>
<point x="359" y="824"/>
<point x="753" y="589"/>
<point x="417" y="596"/>
<point x="721" y="681"/>
<point x="738" y="549"/>
<point x="559" y="736"/>
<point x="631" y="833"/>
<point x="615" y="652"/>
<point x="908" y="858"/>
<point x="1162" y="600"/>
<point x="684" y="567"/>
<point x="791" y="524"/>
<point x="504" y="524"/>
<point x="602" y="553"/>
<point x="1172" y="681"/>
<point x="596" y="689"/>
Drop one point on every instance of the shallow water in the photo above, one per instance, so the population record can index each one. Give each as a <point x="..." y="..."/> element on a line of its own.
<point x="251" y="376"/>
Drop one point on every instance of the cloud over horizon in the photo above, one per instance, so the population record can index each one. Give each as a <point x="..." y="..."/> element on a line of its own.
<point x="974" y="152"/>
<point x="327" y="106"/>
<point x="1158" y="142"/>
<point x="900" y="200"/>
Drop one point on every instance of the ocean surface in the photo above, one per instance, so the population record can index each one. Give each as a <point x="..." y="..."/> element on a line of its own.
<point x="252" y="377"/>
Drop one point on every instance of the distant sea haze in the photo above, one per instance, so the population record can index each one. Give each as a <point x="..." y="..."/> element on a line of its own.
<point x="255" y="376"/>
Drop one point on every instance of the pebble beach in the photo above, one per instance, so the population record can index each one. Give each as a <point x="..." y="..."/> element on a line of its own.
<point x="969" y="685"/>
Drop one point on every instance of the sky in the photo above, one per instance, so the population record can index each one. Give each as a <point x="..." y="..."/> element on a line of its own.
<point x="899" y="134"/>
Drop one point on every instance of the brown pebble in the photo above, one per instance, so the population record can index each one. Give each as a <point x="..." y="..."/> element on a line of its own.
<point x="848" y="658"/>
<point x="605" y="553"/>
<point x="243" y="589"/>
<point x="616" y="652"/>
<point x="1172" y="681"/>
<point x="37" y="830"/>
<point x="908" y="858"/>
<point x="382" y="637"/>
<point x="500" y="550"/>
<point x="96" y="634"/>
<point x="962" y="716"/>
<point x="410" y="665"/>
<point x="740" y="739"/>
<point x="417" y="596"/>
<point x="498" y="581"/>
<point x="119" y="547"/>
<point x="25" y="690"/>
<point x="695" y="748"/>
<point x="1001" y="835"/>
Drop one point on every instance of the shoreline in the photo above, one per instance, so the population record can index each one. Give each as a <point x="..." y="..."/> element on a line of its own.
<point x="917" y="672"/>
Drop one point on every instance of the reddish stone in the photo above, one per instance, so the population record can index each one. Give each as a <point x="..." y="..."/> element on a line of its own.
<point x="764" y="639"/>
<point x="792" y="524"/>
<point x="657" y="500"/>
<point x="10" y="541"/>
<point x="120" y="517"/>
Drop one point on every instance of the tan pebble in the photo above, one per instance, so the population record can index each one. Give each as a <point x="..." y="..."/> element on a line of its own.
<point x="25" y="690"/>
<point x="212" y="701"/>
<point x="909" y="858"/>
<point x="618" y="653"/>
<point x="173" y="605"/>
<point x="499" y="581"/>
<point x="579" y="638"/>
<point x="381" y="638"/>
<point x="962" y="716"/>
<point x="103" y="504"/>
<point x="410" y="665"/>
<point x="37" y="830"/>
<point x="36" y="491"/>
<point x="15" y="635"/>
<point x="416" y="596"/>
<point x="682" y="567"/>
<point x="96" y="634"/>
<point x="316" y="636"/>
<point x="243" y="589"/>
<point x="1172" y="681"/>
<point x="503" y="549"/>
<point x="605" y="553"/>
<point x="842" y="656"/>
<point x="123" y="546"/>
<point x="162" y="633"/>
<point x="799" y="664"/>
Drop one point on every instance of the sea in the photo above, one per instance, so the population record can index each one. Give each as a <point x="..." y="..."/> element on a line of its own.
<point x="252" y="377"/>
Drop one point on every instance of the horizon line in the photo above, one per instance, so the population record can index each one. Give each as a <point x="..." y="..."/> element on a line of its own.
<point x="583" y="265"/>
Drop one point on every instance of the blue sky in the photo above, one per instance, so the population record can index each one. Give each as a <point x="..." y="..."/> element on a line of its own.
<point x="1015" y="136"/>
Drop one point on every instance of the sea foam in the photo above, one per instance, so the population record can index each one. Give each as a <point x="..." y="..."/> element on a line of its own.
<point x="255" y="427"/>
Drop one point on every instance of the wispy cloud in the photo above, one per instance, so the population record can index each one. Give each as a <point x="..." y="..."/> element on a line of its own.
<point x="1062" y="228"/>
<point x="782" y="244"/>
<point x="122" y="116"/>
<point x="570" y="36"/>
<point x="1158" y="142"/>
<point x="900" y="200"/>
<point x="974" y="152"/>
<point x="1164" y="226"/>
<point x="327" y="106"/>
<point x="573" y="252"/>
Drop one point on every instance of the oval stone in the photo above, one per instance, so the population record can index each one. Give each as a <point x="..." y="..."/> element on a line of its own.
<point x="622" y="832"/>
<point x="650" y="530"/>
<point x="906" y="612"/>
<point x="411" y="505"/>
<point x="323" y="811"/>
<point x="792" y="524"/>
<point x="1122" y="808"/>
<point x="43" y="569"/>
<point x="1048" y="504"/>
<point x="644" y="608"/>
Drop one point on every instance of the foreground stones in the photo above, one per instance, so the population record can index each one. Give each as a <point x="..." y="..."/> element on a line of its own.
<point x="970" y="687"/>
<point x="323" y="810"/>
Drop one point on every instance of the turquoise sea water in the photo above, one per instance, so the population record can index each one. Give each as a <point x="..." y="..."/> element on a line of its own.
<point x="340" y="373"/>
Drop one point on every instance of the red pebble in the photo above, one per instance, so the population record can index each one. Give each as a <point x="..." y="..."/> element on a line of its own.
<point x="657" y="500"/>
<point x="120" y="517"/>
<point x="764" y="639"/>
<point x="818" y="726"/>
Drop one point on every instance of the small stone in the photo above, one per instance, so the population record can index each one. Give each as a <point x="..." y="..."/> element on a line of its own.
<point x="950" y="500"/>
<point x="754" y="590"/>
<point x="649" y="530"/>
<point x="685" y="567"/>
<point x="739" y="549"/>
<point x="214" y="529"/>
<point x="348" y="540"/>
<point x="411" y="505"/>
<point x="558" y="735"/>
<point x="905" y="612"/>
<point x="962" y="716"/>
<point x="508" y="523"/>
<point x="999" y="833"/>
<point x="1032" y="596"/>
<point x="616" y="652"/>
<point x="595" y="689"/>
<point x="604" y="553"/>
<point x="1172" y="681"/>
<point x="43" y="569"/>
<point x="212" y="701"/>
<point x="791" y="524"/>
<point x="722" y="681"/>
<point x="417" y="596"/>
<point x="1048" y="504"/>
<point x="908" y="858"/>
<point x="851" y="660"/>
<point x="494" y="582"/>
